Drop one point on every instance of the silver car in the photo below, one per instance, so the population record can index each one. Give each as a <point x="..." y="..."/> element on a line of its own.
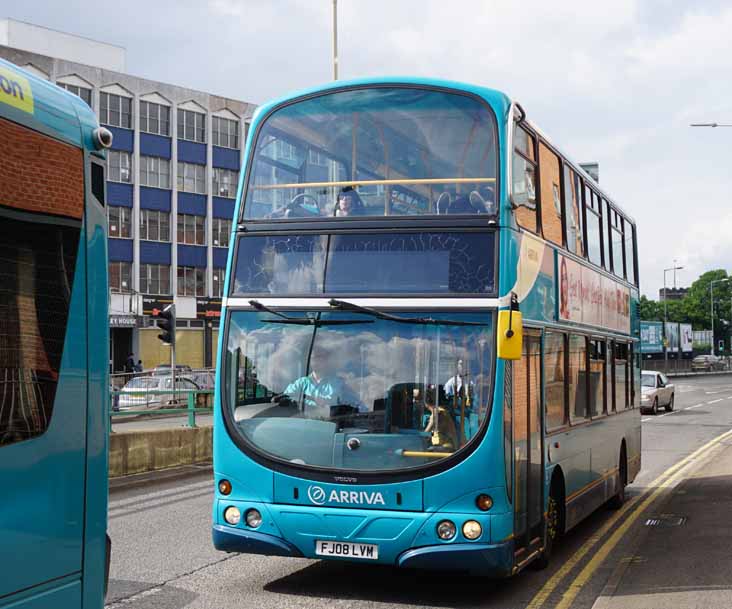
<point x="143" y="392"/>
<point x="656" y="391"/>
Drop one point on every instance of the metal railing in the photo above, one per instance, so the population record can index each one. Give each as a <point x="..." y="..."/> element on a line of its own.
<point x="151" y="394"/>
<point x="181" y="402"/>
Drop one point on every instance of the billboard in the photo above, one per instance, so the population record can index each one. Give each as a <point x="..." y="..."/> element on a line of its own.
<point x="687" y="338"/>
<point x="651" y="336"/>
<point x="672" y="337"/>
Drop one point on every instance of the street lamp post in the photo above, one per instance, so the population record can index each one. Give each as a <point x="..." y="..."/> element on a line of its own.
<point x="335" y="39"/>
<point x="665" y="312"/>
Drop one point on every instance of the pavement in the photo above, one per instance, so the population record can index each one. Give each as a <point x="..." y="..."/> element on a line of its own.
<point x="669" y="547"/>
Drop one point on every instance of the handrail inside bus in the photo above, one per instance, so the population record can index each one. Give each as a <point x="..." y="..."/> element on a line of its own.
<point x="355" y="183"/>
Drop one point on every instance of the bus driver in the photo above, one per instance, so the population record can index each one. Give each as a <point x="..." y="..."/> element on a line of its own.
<point x="321" y="388"/>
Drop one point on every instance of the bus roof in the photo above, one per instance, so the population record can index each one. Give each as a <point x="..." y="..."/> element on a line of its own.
<point x="498" y="100"/>
<point x="40" y="105"/>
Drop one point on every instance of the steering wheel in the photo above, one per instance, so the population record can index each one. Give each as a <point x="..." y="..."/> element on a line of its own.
<point x="298" y="202"/>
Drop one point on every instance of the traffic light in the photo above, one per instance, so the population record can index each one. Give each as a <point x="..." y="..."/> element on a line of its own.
<point x="166" y="322"/>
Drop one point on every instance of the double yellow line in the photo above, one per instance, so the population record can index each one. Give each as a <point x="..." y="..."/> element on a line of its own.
<point x="636" y="507"/>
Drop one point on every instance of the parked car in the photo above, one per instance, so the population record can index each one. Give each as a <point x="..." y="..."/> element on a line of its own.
<point x="141" y="393"/>
<point x="706" y="363"/>
<point x="164" y="369"/>
<point x="205" y="380"/>
<point x="656" y="391"/>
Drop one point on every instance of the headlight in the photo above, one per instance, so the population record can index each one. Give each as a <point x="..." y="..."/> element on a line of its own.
<point x="484" y="502"/>
<point x="253" y="518"/>
<point x="232" y="515"/>
<point x="446" y="530"/>
<point x="472" y="529"/>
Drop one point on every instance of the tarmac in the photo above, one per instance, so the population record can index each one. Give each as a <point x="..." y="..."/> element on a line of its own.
<point x="682" y="556"/>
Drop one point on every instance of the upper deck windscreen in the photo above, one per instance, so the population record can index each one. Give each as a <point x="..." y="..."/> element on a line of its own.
<point x="376" y="151"/>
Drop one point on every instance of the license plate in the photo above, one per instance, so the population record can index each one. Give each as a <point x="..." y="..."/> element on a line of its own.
<point x="368" y="551"/>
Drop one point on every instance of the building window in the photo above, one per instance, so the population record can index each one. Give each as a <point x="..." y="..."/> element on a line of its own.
<point x="119" y="166"/>
<point x="154" y="225"/>
<point x="191" y="178"/>
<point x="120" y="276"/>
<point x="218" y="282"/>
<point x="191" y="126"/>
<point x="225" y="182"/>
<point x="225" y="132"/>
<point x="154" y="172"/>
<point x="191" y="229"/>
<point x="221" y="230"/>
<point x="154" y="118"/>
<point x="115" y="110"/>
<point x="155" y="279"/>
<point x="83" y="92"/>
<point x="191" y="281"/>
<point x="119" y="220"/>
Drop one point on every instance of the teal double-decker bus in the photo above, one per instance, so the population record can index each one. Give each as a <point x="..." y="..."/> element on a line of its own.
<point x="54" y="348"/>
<point x="429" y="340"/>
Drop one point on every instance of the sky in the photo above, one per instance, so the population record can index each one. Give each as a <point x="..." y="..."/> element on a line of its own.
<point x="614" y="82"/>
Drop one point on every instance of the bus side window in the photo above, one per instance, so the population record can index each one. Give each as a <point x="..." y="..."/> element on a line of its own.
<point x="524" y="179"/>
<point x="550" y="198"/>
<point x="597" y="378"/>
<point x="554" y="379"/>
<point x="594" y="224"/>
<point x="621" y="376"/>
<point x="629" y="242"/>
<point x="577" y="378"/>
<point x="572" y="216"/>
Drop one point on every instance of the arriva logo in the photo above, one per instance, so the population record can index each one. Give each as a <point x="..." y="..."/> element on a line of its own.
<point x="317" y="495"/>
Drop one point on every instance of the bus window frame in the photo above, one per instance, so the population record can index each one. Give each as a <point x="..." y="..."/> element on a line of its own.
<point x="602" y="412"/>
<point x="253" y="138"/>
<point x="540" y="203"/>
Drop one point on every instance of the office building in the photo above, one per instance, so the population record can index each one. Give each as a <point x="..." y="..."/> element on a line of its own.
<point x="172" y="175"/>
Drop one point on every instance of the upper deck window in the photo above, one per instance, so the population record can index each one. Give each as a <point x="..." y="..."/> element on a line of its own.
<point x="375" y="152"/>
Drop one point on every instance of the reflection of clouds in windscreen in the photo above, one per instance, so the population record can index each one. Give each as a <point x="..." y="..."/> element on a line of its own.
<point x="366" y="362"/>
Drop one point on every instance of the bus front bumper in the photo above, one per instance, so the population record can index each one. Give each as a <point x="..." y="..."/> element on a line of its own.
<point x="477" y="558"/>
<point x="480" y="559"/>
<point x="228" y="539"/>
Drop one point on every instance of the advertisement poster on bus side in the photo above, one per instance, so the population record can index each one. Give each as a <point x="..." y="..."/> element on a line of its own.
<point x="687" y="338"/>
<point x="589" y="297"/>
<point x="651" y="336"/>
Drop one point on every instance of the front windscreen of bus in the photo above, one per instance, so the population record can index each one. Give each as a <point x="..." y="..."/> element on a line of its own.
<point x="352" y="391"/>
<point x="372" y="152"/>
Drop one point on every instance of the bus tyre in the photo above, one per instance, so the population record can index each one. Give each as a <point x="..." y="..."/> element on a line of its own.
<point x="654" y="408"/>
<point x="618" y="500"/>
<point x="670" y="405"/>
<point x="553" y="528"/>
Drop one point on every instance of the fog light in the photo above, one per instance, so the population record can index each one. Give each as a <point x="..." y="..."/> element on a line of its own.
<point x="446" y="530"/>
<point x="472" y="529"/>
<point x="484" y="502"/>
<point x="224" y="487"/>
<point x="253" y="518"/>
<point x="232" y="515"/>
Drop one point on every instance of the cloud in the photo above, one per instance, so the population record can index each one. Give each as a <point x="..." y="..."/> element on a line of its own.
<point x="617" y="82"/>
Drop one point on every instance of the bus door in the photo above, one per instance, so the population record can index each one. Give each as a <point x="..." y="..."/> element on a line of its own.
<point x="527" y="448"/>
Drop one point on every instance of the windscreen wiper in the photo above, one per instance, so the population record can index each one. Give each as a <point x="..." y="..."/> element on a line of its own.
<point x="303" y="321"/>
<point x="344" y="305"/>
